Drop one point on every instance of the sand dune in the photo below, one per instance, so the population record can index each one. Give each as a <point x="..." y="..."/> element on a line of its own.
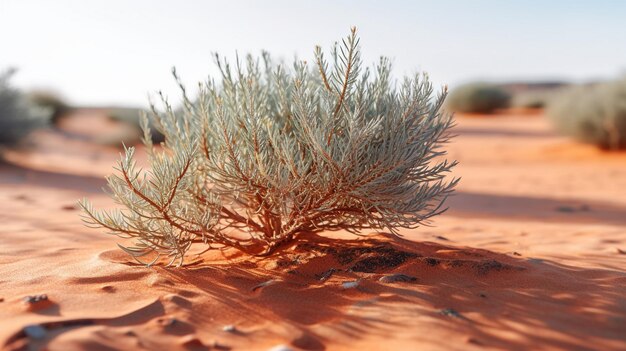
<point x="529" y="256"/>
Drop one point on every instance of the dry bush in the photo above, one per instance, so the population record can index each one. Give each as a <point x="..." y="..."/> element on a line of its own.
<point x="51" y="101"/>
<point x="478" y="98"/>
<point x="593" y="114"/>
<point x="18" y="116"/>
<point x="132" y="117"/>
<point x="539" y="98"/>
<point x="270" y="153"/>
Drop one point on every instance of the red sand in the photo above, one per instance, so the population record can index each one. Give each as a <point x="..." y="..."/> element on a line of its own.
<point x="529" y="256"/>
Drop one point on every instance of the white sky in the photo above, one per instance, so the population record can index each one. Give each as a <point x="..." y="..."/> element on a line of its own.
<point x="118" y="51"/>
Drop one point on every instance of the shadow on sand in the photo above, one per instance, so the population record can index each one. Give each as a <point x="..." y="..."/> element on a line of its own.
<point x="483" y="294"/>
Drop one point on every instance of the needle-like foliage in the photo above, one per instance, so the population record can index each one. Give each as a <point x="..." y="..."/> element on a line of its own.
<point x="271" y="153"/>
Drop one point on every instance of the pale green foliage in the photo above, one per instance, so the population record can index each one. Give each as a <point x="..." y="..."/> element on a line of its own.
<point x="539" y="98"/>
<point x="594" y="114"/>
<point x="132" y="117"/>
<point x="18" y="116"/>
<point x="478" y="98"/>
<point x="272" y="153"/>
<point x="50" y="101"/>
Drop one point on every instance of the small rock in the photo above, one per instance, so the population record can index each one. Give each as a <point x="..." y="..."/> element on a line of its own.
<point x="130" y="333"/>
<point x="350" y="285"/>
<point x="1" y="299"/>
<point x="167" y="322"/>
<point x="215" y="345"/>
<point x="571" y="209"/>
<point x="68" y="207"/>
<point x="108" y="288"/>
<point x="617" y="249"/>
<point x="393" y="278"/>
<point x="230" y="328"/>
<point x="281" y="348"/>
<point x="33" y="299"/>
<point x="450" y="313"/>
<point x="327" y="274"/>
<point x="35" y="331"/>
<point x="265" y="284"/>
<point x="441" y="238"/>
<point x="566" y="209"/>
<point x="432" y="261"/>
<point x="483" y="295"/>
<point x="515" y="253"/>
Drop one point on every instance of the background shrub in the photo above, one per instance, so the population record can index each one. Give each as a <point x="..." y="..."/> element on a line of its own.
<point x="132" y="117"/>
<point x="533" y="98"/>
<point x="51" y="101"/>
<point x="593" y="113"/>
<point x="532" y="94"/>
<point x="477" y="98"/>
<point x="18" y="116"/>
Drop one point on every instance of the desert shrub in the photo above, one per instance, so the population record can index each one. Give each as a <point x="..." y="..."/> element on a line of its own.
<point x="132" y="117"/>
<point x="18" y="116"/>
<point x="50" y="101"/>
<point x="272" y="153"/>
<point x="478" y="98"/>
<point x="533" y="98"/>
<point x="593" y="113"/>
<point x="119" y="138"/>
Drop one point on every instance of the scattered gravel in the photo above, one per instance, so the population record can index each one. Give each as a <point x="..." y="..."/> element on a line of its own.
<point x="35" y="299"/>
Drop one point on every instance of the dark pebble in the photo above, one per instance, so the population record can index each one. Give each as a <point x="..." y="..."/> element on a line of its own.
<point x="450" y="313"/>
<point x="566" y="209"/>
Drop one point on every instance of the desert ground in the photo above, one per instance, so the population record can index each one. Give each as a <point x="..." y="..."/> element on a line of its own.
<point x="531" y="255"/>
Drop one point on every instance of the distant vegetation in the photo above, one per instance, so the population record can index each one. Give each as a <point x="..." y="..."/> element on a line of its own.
<point x="132" y="117"/>
<point x="533" y="98"/>
<point x="478" y="98"/>
<point x="51" y="101"/>
<point x="593" y="113"/>
<point x="532" y="94"/>
<point x="18" y="116"/>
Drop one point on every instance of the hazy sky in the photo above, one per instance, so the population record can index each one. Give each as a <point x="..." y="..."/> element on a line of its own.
<point x="118" y="51"/>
